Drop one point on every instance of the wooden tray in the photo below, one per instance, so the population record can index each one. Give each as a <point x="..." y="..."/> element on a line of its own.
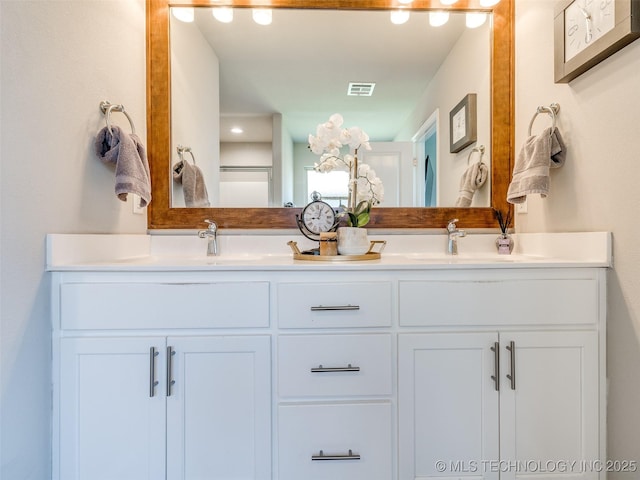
<point x="370" y="255"/>
<point x="336" y="258"/>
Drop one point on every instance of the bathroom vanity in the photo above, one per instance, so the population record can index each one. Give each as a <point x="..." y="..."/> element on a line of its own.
<point x="255" y="366"/>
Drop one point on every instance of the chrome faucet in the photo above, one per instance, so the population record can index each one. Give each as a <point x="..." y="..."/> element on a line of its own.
<point x="211" y="234"/>
<point x="454" y="233"/>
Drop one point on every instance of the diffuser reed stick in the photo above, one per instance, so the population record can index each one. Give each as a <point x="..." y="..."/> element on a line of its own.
<point x="502" y="220"/>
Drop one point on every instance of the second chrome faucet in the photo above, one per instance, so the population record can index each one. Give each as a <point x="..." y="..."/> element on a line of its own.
<point x="211" y="234"/>
<point x="453" y="234"/>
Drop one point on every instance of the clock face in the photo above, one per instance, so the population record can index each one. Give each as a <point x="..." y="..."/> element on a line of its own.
<point x="319" y="217"/>
<point x="584" y="22"/>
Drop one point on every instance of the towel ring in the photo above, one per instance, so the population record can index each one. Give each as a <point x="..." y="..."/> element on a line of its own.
<point x="480" y="150"/>
<point x="182" y="150"/>
<point x="108" y="107"/>
<point x="552" y="110"/>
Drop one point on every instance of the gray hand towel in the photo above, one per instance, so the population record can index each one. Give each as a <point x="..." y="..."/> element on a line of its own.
<point x="531" y="172"/>
<point x="472" y="179"/>
<point x="128" y="154"/>
<point x="193" y="184"/>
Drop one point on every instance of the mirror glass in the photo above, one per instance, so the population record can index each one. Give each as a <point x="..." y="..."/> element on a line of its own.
<point x="276" y="83"/>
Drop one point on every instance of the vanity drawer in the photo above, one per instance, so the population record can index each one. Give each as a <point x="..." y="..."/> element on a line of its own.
<point x="164" y="305"/>
<point x="335" y="429"/>
<point x="499" y="302"/>
<point x="334" y="365"/>
<point x="330" y="305"/>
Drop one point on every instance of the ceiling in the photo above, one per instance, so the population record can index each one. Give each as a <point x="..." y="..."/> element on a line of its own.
<point x="301" y="65"/>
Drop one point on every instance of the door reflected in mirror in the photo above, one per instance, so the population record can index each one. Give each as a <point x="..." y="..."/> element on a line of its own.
<point x="274" y="84"/>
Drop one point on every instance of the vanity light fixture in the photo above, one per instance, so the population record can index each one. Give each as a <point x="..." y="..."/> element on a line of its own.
<point x="223" y="14"/>
<point x="184" y="14"/>
<point x="262" y="16"/>
<point x="437" y="18"/>
<point x="489" y="3"/>
<point x="475" y="19"/>
<point x="398" y="17"/>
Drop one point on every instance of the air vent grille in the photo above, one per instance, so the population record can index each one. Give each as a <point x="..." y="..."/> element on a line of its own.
<point x="361" y="89"/>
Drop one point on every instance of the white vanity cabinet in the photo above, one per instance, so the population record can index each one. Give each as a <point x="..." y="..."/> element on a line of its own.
<point x="364" y="371"/>
<point x="501" y="400"/>
<point x="149" y="403"/>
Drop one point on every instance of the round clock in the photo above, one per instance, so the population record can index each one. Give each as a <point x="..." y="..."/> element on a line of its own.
<point x="317" y="217"/>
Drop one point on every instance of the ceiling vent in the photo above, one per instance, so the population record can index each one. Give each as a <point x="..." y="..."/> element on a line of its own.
<point x="361" y="89"/>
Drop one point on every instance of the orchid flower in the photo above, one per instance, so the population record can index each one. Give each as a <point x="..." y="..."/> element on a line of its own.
<point x="327" y="142"/>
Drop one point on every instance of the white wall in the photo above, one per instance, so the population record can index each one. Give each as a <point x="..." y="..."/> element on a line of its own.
<point x="596" y="190"/>
<point x="59" y="59"/>
<point x="245" y="154"/>
<point x="286" y="156"/>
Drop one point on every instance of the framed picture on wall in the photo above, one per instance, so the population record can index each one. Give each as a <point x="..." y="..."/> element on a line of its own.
<point x="463" y="128"/>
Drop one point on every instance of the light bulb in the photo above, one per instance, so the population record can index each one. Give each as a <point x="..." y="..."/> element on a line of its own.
<point x="405" y="2"/>
<point x="184" y="14"/>
<point x="448" y="2"/>
<point x="438" y="18"/>
<point x="398" y="17"/>
<point x="262" y="16"/>
<point x="475" y="19"/>
<point x="223" y="14"/>
<point x="488" y="3"/>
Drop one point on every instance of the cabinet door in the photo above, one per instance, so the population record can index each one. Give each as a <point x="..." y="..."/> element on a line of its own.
<point x="219" y="408"/>
<point x="110" y="425"/>
<point x="549" y="415"/>
<point x="448" y="405"/>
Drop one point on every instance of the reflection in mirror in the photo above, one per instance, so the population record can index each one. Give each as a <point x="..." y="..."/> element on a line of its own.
<point x="277" y="82"/>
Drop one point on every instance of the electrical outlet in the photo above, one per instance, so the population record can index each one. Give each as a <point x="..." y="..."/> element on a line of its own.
<point x="522" y="207"/>
<point x="137" y="209"/>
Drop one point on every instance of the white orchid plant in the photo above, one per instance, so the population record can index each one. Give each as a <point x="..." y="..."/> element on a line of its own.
<point x="365" y="188"/>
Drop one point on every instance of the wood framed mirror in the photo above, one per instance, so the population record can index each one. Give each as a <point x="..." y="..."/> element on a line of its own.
<point x="161" y="215"/>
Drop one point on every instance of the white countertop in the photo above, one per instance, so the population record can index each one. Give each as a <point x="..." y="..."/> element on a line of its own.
<point x="91" y="252"/>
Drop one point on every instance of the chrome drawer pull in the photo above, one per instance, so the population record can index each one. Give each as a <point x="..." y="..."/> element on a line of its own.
<point x="153" y="383"/>
<point x="496" y="365"/>
<point x="321" y="369"/>
<point x="330" y="308"/>
<point x="348" y="456"/>
<point x="512" y="376"/>
<point x="170" y="381"/>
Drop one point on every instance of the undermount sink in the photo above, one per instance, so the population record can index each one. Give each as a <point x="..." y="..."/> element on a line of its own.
<point x="191" y="260"/>
<point x="460" y="258"/>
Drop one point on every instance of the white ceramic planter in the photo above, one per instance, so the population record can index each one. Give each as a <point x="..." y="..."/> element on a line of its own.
<point x="352" y="241"/>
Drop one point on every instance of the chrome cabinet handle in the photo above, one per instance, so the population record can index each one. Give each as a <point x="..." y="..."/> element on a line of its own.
<point x="153" y="383"/>
<point x="328" y="308"/>
<point x="496" y="365"/>
<point x="321" y="369"/>
<point x="170" y="380"/>
<point x="512" y="376"/>
<point x="348" y="456"/>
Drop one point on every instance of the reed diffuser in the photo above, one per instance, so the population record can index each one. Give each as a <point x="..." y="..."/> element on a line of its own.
<point x="504" y="242"/>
